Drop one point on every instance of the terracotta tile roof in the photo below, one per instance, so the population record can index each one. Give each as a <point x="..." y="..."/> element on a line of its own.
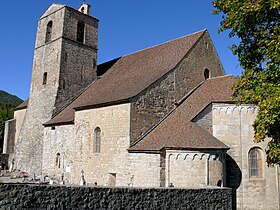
<point x="178" y="132"/>
<point x="23" y="105"/>
<point x="131" y="74"/>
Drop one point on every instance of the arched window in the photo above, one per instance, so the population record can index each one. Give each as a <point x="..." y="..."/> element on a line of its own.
<point x="45" y="78"/>
<point x="97" y="140"/>
<point x="49" y="32"/>
<point x="80" y="31"/>
<point x="255" y="163"/>
<point x="206" y="74"/>
<point x="57" y="160"/>
<point x="83" y="10"/>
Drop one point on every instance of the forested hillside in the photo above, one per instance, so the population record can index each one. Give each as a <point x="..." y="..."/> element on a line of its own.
<point x="8" y="99"/>
<point x="7" y="103"/>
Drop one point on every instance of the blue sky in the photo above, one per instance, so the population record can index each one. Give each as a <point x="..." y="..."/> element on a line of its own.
<point x="125" y="26"/>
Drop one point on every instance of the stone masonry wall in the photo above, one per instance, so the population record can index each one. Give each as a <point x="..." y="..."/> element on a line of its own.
<point x="58" y="140"/>
<point x="204" y="119"/>
<point x="194" y="169"/>
<point x="233" y="125"/>
<point x="29" y="147"/>
<point x="110" y="165"/>
<point x="9" y="137"/>
<point x="78" y="60"/>
<point x="144" y="170"/>
<point x="50" y="58"/>
<point x="153" y="104"/>
<point x="113" y="166"/>
<point x="149" y="108"/>
<point x="19" y="115"/>
<point x="190" y="72"/>
<point x="56" y="197"/>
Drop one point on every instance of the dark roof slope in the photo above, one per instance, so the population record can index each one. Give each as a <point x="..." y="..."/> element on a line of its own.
<point x="177" y="130"/>
<point x="130" y="75"/>
<point x="23" y="105"/>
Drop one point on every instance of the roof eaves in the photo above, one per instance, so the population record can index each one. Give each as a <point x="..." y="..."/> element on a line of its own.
<point x="110" y="103"/>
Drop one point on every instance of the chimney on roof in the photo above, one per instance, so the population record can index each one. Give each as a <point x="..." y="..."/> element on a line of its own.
<point x="84" y="8"/>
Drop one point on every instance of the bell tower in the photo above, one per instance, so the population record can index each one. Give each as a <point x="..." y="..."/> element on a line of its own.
<point x="84" y="8"/>
<point x="64" y="63"/>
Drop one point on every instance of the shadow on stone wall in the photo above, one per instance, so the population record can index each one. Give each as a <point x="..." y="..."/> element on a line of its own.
<point x="234" y="177"/>
<point x="62" y="197"/>
<point x="4" y="158"/>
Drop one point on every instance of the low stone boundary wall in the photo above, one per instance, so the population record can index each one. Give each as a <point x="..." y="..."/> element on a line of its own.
<point x="61" y="197"/>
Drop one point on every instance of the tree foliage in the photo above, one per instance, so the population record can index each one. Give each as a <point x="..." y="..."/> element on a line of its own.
<point x="257" y="25"/>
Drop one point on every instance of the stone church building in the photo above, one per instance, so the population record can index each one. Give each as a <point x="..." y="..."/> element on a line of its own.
<point x="158" y="117"/>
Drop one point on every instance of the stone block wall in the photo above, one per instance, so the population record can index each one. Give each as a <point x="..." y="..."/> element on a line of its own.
<point x="144" y="170"/>
<point x="9" y="137"/>
<point x="153" y="104"/>
<point x="110" y="165"/>
<point x="56" y="197"/>
<point x="233" y="125"/>
<point x="190" y="72"/>
<point x="56" y="73"/>
<point x="204" y="119"/>
<point x="58" y="152"/>
<point x="194" y="169"/>
<point x="19" y="116"/>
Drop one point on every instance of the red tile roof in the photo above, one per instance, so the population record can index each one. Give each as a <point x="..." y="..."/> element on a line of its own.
<point x="178" y="132"/>
<point x="130" y="75"/>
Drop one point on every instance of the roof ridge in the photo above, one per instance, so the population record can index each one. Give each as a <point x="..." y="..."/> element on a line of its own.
<point x="163" y="43"/>
<point x="218" y="77"/>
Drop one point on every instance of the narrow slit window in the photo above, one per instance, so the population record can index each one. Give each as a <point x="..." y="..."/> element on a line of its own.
<point x="80" y="31"/>
<point x="97" y="140"/>
<point x="49" y="32"/>
<point x="45" y="78"/>
<point x="57" y="160"/>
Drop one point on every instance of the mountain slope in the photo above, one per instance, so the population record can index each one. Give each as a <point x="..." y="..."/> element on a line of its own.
<point x="9" y="100"/>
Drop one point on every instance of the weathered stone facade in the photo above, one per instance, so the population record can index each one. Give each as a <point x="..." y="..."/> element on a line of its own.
<point x="190" y="72"/>
<point x="233" y="125"/>
<point x="97" y="133"/>
<point x="58" y="152"/>
<point x="9" y="138"/>
<point x="113" y="122"/>
<point x="202" y="169"/>
<point x="57" y="76"/>
<point x="204" y="119"/>
<point x="152" y="106"/>
<point x="160" y="99"/>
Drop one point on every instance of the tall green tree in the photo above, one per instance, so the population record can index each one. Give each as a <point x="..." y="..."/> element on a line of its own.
<point x="257" y="25"/>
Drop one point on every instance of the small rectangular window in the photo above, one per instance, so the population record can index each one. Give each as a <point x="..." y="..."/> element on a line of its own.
<point x="45" y="77"/>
